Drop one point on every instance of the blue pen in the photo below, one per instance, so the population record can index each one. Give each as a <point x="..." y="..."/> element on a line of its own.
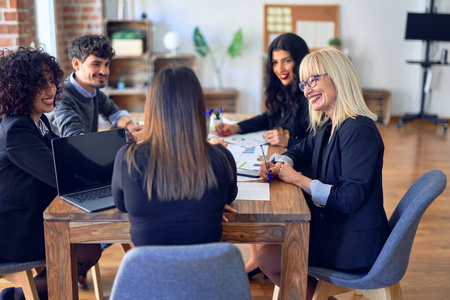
<point x="210" y="112"/>
<point x="220" y="117"/>
<point x="265" y="161"/>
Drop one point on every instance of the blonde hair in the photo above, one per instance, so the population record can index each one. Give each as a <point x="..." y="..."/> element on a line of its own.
<point x="179" y="165"/>
<point x="349" y="99"/>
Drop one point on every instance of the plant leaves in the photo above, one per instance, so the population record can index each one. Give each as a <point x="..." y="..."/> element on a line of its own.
<point x="235" y="48"/>
<point x="200" y="43"/>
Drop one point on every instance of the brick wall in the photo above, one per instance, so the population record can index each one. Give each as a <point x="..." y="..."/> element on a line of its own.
<point x="17" y="23"/>
<point x="75" y="18"/>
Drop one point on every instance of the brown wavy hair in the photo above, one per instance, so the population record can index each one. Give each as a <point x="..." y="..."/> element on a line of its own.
<point x="179" y="165"/>
<point x="23" y="76"/>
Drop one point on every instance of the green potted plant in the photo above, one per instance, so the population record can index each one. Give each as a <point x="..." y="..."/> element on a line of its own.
<point x="335" y="43"/>
<point x="202" y="48"/>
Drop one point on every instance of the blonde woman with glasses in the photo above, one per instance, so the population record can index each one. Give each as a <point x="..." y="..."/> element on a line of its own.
<point x="345" y="152"/>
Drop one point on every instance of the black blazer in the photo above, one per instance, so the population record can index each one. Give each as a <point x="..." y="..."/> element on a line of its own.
<point x="297" y="127"/>
<point x="351" y="230"/>
<point x="27" y="186"/>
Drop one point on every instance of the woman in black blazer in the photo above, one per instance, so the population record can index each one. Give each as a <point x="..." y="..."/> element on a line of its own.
<point x="286" y="117"/>
<point x="30" y="81"/>
<point x="345" y="153"/>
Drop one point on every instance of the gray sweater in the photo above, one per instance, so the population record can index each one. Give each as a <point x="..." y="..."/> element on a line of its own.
<point x="76" y="114"/>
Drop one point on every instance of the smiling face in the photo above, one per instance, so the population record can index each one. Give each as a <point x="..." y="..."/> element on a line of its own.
<point x="92" y="73"/>
<point x="283" y="66"/>
<point x="323" y="95"/>
<point x="44" y="101"/>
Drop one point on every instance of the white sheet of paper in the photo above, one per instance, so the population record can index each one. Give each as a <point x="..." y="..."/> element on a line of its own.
<point x="246" y="140"/>
<point x="253" y="191"/>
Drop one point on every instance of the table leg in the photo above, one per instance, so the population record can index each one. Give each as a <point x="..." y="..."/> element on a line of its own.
<point x="294" y="274"/>
<point x="61" y="261"/>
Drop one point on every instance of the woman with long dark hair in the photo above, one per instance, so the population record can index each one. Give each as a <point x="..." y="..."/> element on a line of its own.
<point x="30" y="83"/>
<point x="175" y="184"/>
<point x="286" y="117"/>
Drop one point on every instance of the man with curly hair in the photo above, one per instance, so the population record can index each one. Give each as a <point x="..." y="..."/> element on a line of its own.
<point x="78" y="112"/>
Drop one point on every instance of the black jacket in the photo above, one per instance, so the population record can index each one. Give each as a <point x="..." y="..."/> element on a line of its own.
<point x="27" y="186"/>
<point x="352" y="228"/>
<point x="298" y="126"/>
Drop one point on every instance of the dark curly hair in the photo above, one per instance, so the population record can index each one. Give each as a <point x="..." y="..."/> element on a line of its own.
<point x="23" y="76"/>
<point x="98" y="45"/>
<point x="275" y="90"/>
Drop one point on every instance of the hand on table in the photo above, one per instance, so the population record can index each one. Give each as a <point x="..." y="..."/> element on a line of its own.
<point x="227" y="129"/>
<point x="229" y="209"/>
<point x="276" y="138"/>
<point x="215" y="141"/>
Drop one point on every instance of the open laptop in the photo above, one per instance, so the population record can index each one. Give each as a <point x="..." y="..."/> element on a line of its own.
<point x="84" y="166"/>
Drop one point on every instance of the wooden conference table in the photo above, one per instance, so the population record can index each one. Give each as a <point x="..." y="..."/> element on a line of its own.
<point x="282" y="220"/>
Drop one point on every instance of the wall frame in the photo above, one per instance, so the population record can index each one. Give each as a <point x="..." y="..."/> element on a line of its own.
<point x="316" y="24"/>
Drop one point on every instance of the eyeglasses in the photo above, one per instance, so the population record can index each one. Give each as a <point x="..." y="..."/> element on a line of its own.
<point x="311" y="82"/>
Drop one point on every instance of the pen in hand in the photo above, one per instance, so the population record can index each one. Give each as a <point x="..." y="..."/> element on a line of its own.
<point x="265" y="162"/>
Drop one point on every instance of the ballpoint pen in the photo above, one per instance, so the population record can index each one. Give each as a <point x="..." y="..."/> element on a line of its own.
<point x="265" y="162"/>
<point x="220" y="117"/>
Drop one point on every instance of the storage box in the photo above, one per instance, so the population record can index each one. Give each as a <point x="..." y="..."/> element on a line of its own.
<point x="128" y="47"/>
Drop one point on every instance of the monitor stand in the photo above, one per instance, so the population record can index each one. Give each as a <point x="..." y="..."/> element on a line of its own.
<point x="426" y="65"/>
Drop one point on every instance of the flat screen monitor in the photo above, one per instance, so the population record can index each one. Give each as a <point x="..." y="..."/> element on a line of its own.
<point x="430" y="27"/>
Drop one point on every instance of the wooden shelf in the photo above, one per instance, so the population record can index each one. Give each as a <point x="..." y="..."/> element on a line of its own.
<point x="228" y="99"/>
<point x="135" y="70"/>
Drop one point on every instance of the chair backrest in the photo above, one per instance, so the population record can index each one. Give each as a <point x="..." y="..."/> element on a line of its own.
<point x="205" y="271"/>
<point x="392" y="262"/>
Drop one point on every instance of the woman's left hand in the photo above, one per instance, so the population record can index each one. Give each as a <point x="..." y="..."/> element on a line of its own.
<point x="229" y="209"/>
<point x="289" y="175"/>
<point x="276" y="138"/>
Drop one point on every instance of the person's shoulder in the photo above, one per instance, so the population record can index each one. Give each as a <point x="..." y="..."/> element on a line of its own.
<point x="11" y="121"/>
<point x="359" y="121"/>
<point x="359" y="125"/>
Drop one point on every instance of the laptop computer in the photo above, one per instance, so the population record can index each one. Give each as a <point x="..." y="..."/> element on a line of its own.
<point x="84" y="166"/>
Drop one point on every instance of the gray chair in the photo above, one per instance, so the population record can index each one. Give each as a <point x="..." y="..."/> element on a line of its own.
<point x="21" y="273"/>
<point x="382" y="281"/>
<point x="205" y="271"/>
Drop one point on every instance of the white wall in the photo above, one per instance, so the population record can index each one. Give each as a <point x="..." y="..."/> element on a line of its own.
<point x="372" y="30"/>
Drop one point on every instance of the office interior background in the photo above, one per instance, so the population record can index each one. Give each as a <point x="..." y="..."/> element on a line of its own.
<point x="372" y="32"/>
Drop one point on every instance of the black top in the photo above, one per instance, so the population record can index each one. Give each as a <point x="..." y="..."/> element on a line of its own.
<point x="297" y="126"/>
<point x="178" y="222"/>
<point x="352" y="228"/>
<point x="27" y="186"/>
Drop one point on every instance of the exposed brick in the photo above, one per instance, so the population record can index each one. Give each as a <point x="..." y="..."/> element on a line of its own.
<point x="6" y="42"/>
<point x="73" y="26"/>
<point x="88" y="9"/>
<point x="23" y="4"/>
<point x="12" y="3"/>
<point x="11" y="16"/>
<point x="9" y="29"/>
<point x="69" y="9"/>
<point x="91" y="18"/>
<point x="3" y="4"/>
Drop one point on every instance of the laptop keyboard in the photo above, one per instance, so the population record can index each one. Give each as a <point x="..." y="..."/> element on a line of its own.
<point x="92" y="195"/>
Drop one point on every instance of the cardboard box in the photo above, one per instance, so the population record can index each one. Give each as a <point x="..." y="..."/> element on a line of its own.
<point x="128" y="47"/>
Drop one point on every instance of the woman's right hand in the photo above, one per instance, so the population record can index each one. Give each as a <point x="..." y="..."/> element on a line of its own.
<point x="227" y="129"/>
<point x="274" y="169"/>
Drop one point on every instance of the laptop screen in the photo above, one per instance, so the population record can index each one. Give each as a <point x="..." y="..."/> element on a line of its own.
<point x="86" y="162"/>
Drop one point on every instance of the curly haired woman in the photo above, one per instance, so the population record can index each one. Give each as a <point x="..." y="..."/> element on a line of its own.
<point x="30" y="82"/>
